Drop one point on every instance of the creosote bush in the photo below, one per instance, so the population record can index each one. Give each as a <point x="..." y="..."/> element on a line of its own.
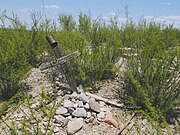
<point x="20" y="50"/>
<point x="152" y="77"/>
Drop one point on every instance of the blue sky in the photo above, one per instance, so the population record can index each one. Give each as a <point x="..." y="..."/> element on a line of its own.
<point x="157" y="10"/>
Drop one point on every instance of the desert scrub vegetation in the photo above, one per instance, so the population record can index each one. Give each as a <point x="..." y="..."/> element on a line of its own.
<point x="152" y="73"/>
<point x="152" y="77"/>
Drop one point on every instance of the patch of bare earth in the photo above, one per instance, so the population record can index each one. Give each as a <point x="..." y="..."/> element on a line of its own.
<point x="128" y="123"/>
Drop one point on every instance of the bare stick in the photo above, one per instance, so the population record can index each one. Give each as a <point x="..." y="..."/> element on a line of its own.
<point x="104" y="99"/>
<point x="129" y="122"/>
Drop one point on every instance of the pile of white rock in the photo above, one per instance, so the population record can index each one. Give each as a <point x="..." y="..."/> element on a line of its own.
<point x="77" y="109"/>
<point x="73" y="109"/>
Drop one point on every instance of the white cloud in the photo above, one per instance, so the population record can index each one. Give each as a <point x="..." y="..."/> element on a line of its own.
<point x="165" y="19"/>
<point x="51" y="6"/>
<point x="24" y="10"/>
<point x="166" y="3"/>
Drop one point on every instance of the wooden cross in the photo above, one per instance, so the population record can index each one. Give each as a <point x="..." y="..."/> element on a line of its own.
<point x="61" y="61"/>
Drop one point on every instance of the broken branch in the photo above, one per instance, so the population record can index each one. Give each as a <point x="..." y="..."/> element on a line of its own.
<point x="104" y="99"/>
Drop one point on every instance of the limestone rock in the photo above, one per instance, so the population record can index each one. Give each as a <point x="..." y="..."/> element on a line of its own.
<point x="111" y="119"/>
<point x="80" y="104"/>
<point x="74" y="95"/>
<point x="68" y="103"/>
<point x="84" y="98"/>
<point x="70" y="110"/>
<point x="88" y="114"/>
<point x="58" y="119"/>
<point x="86" y="106"/>
<point x="80" y="112"/>
<point x="94" y="105"/>
<point x="65" y="122"/>
<point x="100" y="116"/>
<point x="61" y="110"/>
<point x="74" y="126"/>
<point x="103" y="109"/>
<point x="102" y="104"/>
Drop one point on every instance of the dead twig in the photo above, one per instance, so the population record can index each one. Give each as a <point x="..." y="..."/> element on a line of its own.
<point x="127" y="124"/>
<point x="104" y="99"/>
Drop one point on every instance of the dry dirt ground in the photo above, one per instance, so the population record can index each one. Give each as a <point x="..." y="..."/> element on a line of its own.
<point x="109" y="89"/>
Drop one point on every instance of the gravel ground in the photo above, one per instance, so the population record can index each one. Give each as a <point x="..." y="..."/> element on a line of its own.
<point x="109" y="89"/>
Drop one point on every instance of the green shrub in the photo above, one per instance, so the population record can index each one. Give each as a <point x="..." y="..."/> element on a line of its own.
<point x="20" y="49"/>
<point x="152" y="78"/>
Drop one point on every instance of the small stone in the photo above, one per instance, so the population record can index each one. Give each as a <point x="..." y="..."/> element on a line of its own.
<point x="70" y="110"/>
<point x="102" y="104"/>
<point x="95" y="106"/>
<point x="58" y="125"/>
<point x="86" y="120"/>
<point x="68" y="103"/>
<point x="56" y="129"/>
<point x="74" y="126"/>
<point x="88" y="114"/>
<point x="80" y="89"/>
<point x="86" y="106"/>
<point x="100" y="116"/>
<point x="65" y="122"/>
<point x="59" y="119"/>
<point x="79" y="112"/>
<point x="80" y="104"/>
<point x="75" y="105"/>
<point x="103" y="109"/>
<point x="70" y="117"/>
<point x="61" y="110"/>
<point x="74" y="95"/>
<point x="111" y="119"/>
<point x="73" y="100"/>
<point x="84" y="98"/>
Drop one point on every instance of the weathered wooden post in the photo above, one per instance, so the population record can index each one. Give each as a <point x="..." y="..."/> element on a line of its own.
<point x="62" y="62"/>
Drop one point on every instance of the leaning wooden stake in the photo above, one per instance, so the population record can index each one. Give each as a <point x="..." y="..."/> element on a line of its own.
<point x="104" y="99"/>
<point x="54" y="46"/>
